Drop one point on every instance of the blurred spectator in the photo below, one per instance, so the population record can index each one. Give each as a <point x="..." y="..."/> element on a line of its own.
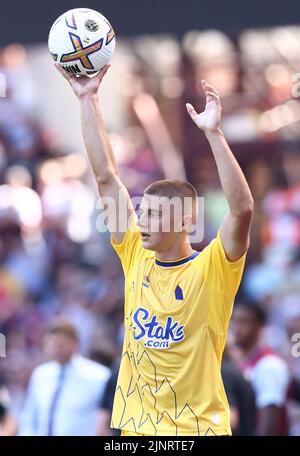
<point x="241" y="398"/>
<point x="8" y="424"/>
<point x="106" y="404"/>
<point x="267" y="372"/>
<point x="63" y="394"/>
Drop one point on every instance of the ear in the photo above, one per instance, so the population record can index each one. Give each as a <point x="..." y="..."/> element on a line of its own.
<point x="187" y="223"/>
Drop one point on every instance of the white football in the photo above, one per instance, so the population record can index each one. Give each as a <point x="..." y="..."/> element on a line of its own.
<point x="82" y="41"/>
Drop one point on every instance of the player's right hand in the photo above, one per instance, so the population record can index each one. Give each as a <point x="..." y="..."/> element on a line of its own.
<point x="84" y="85"/>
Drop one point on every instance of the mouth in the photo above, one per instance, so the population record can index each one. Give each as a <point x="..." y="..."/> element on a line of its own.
<point x="145" y="236"/>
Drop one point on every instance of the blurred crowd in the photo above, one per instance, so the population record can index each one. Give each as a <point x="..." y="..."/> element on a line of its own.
<point x="55" y="256"/>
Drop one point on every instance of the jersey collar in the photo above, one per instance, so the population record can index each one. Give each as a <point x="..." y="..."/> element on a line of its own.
<point x="168" y="264"/>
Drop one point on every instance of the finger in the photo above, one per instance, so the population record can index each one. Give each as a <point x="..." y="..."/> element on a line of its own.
<point x="208" y="87"/>
<point x="63" y="72"/>
<point x="105" y="69"/>
<point x="191" y="111"/>
<point x="211" y="96"/>
<point x="103" y="72"/>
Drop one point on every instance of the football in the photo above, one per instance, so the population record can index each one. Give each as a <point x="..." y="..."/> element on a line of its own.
<point x="82" y="41"/>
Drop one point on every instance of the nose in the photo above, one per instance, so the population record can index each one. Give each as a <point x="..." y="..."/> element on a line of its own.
<point x="142" y="221"/>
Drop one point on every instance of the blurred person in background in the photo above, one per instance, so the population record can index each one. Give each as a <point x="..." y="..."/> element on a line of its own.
<point x="106" y="404"/>
<point x="240" y="396"/>
<point x="8" y="424"/>
<point x="282" y="204"/>
<point x="291" y="317"/>
<point x="63" y="394"/>
<point x="267" y="372"/>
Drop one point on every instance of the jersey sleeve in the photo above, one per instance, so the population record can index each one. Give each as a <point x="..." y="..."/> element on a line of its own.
<point x="130" y="250"/>
<point x="224" y="278"/>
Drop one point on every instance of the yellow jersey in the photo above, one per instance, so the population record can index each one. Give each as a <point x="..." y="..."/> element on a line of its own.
<point x="176" y="318"/>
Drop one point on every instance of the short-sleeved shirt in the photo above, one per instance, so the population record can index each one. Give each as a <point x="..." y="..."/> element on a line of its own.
<point x="176" y="319"/>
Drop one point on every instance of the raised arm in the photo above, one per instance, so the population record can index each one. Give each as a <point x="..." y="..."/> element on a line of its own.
<point x="99" y="151"/>
<point x="235" y="229"/>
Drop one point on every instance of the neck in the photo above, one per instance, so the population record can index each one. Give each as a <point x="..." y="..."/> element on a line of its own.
<point x="175" y="253"/>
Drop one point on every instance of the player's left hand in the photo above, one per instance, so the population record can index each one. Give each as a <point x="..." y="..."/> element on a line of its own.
<point x="210" y="118"/>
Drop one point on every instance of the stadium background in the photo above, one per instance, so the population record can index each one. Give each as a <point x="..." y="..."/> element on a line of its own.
<point x="53" y="260"/>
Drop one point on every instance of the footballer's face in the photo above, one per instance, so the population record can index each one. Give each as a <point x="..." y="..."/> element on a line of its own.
<point x="161" y="224"/>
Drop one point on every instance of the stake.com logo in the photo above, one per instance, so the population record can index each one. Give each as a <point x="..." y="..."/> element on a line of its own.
<point x="155" y="334"/>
